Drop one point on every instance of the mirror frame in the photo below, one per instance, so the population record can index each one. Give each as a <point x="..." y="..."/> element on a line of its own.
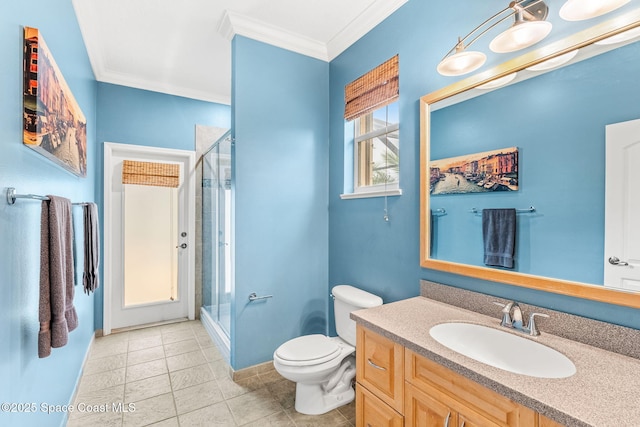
<point x="564" y="287"/>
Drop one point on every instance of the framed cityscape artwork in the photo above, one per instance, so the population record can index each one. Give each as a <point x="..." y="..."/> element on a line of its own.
<point x="495" y="170"/>
<point x="53" y="124"/>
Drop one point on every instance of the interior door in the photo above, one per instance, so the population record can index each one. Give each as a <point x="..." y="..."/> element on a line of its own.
<point x="149" y="273"/>
<point x="622" y="206"/>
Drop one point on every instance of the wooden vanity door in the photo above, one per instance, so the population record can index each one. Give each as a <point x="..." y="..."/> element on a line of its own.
<point x="421" y="409"/>
<point x="372" y="412"/>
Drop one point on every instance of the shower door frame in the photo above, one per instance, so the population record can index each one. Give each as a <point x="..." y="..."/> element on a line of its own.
<point x="222" y="335"/>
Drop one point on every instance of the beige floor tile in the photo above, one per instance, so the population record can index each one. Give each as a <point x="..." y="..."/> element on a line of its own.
<point x="332" y="418"/>
<point x="144" y="333"/>
<point x="204" y="339"/>
<point x="87" y="400"/>
<point x="349" y="411"/>
<point x="146" y="370"/>
<point x="175" y="376"/>
<point x="145" y="355"/>
<point x="145" y="342"/>
<point x="253" y="406"/>
<point x="177" y="336"/>
<point x="280" y="419"/>
<point x="180" y="347"/>
<point x="101" y="380"/>
<point x="212" y="354"/>
<point x="146" y="388"/>
<point x="104" y="349"/>
<point x="185" y="360"/>
<point x="150" y="411"/>
<point x="217" y="415"/>
<point x="102" y="419"/>
<point x="191" y="376"/>
<point x="220" y="369"/>
<point x="196" y="397"/>
<point x="103" y="364"/>
<point x="231" y="389"/>
<point x="171" y="422"/>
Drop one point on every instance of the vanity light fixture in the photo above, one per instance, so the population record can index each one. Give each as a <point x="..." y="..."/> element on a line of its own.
<point x="579" y="10"/>
<point x="554" y="62"/>
<point x="528" y="29"/>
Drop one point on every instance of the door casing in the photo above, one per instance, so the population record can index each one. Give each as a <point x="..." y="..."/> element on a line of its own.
<point x="113" y="151"/>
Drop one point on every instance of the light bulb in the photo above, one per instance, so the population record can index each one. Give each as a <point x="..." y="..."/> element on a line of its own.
<point x="554" y="62"/>
<point x="520" y="36"/>
<point x="498" y="82"/>
<point x="621" y="37"/>
<point x="461" y="62"/>
<point x="579" y="10"/>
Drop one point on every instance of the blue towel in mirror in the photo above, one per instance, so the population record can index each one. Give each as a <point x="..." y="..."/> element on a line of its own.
<point x="499" y="236"/>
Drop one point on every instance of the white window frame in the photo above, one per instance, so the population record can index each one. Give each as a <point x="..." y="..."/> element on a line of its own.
<point x="377" y="190"/>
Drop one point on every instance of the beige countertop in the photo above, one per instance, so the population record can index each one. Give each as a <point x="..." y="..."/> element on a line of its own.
<point x="605" y="391"/>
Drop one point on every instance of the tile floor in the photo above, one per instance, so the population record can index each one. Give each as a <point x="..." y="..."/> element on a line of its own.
<point x="173" y="375"/>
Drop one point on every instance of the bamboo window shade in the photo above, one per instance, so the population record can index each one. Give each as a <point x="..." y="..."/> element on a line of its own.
<point x="150" y="173"/>
<point x="373" y="90"/>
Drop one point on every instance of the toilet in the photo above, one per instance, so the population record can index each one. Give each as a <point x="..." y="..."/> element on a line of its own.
<point x="323" y="367"/>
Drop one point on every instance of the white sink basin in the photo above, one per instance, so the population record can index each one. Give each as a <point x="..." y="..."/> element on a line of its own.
<point x="503" y="350"/>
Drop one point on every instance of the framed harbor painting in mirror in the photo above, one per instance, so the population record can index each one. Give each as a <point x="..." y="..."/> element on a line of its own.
<point x="489" y="171"/>
<point x="53" y="124"/>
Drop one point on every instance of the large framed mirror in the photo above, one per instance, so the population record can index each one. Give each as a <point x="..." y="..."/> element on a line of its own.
<point x="556" y="119"/>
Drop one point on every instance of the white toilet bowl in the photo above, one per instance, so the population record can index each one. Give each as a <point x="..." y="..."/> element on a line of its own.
<point x="323" y="368"/>
<point x="312" y="361"/>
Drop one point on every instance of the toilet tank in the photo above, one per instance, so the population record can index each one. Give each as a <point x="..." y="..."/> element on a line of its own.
<point x="345" y="300"/>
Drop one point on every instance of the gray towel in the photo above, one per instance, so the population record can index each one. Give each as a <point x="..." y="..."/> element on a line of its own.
<point x="90" y="278"/>
<point x="57" y="314"/>
<point x="499" y="236"/>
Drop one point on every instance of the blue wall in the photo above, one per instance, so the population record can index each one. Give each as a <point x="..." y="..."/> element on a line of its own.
<point x="24" y="377"/>
<point x="139" y="117"/>
<point x="383" y="257"/>
<point x="280" y="112"/>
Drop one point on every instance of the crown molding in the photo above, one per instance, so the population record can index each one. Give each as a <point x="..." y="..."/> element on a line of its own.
<point x="131" y="81"/>
<point x="365" y="22"/>
<point x="233" y="24"/>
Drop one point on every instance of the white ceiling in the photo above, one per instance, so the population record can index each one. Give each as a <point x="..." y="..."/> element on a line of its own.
<point x="183" y="47"/>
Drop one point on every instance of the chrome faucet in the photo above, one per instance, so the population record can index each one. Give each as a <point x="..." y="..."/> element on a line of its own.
<point x="512" y="318"/>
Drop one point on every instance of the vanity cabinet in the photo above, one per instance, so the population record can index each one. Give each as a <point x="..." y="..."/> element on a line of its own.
<point x="436" y="392"/>
<point x="397" y="387"/>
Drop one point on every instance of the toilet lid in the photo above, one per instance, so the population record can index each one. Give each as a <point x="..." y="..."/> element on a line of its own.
<point x="317" y="348"/>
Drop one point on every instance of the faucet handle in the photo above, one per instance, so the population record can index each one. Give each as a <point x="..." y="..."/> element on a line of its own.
<point x="506" y="313"/>
<point x="533" y="330"/>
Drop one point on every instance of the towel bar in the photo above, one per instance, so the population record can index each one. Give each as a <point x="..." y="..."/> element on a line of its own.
<point x="12" y="196"/>
<point x="254" y="297"/>
<point x="528" y="210"/>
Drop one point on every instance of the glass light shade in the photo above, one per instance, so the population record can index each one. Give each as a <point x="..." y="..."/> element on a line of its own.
<point x="498" y="82"/>
<point x="622" y="37"/>
<point x="579" y="10"/>
<point x="520" y="36"/>
<point x="554" y="62"/>
<point x="462" y="62"/>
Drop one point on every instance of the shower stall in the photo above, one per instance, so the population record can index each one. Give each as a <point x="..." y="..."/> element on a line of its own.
<point x="217" y="254"/>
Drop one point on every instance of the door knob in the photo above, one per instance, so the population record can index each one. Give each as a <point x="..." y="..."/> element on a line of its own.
<point x="183" y="246"/>
<point x="614" y="260"/>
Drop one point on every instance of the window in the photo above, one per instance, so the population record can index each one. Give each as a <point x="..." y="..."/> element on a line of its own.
<point x="377" y="150"/>
<point x="372" y="102"/>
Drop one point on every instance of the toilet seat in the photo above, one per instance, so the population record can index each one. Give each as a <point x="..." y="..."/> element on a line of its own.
<point x="308" y="350"/>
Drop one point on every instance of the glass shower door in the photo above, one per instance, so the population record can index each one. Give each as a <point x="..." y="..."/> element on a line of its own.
<point x="216" y="227"/>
